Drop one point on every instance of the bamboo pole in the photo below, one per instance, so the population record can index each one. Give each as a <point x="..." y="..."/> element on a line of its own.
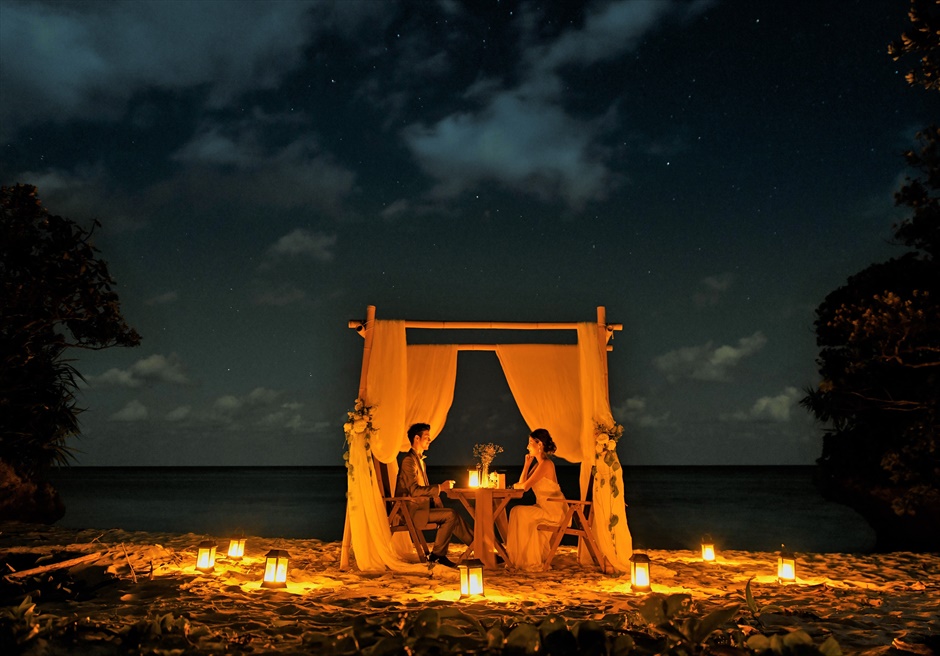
<point x="367" y="330"/>
<point x="487" y="325"/>
<point x="603" y="336"/>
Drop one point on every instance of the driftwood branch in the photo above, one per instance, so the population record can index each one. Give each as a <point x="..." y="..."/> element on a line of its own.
<point x="88" y="558"/>
<point x="127" y="558"/>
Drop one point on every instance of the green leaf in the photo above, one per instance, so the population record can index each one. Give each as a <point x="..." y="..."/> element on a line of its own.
<point x="751" y="604"/>
<point x="427" y="624"/>
<point x="758" y="643"/>
<point x="623" y="645"/>
<point x="495" y="638"/>
<point x="711" y="622"/>
<point x="590" y="637"/>
<point x="525" y="638"/>
<point x="830" y="647"/>
<point x="798" y="637"/>
<point x="676" y="603"/>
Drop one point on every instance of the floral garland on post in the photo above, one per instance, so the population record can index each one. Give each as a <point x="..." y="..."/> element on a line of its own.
<point x="359" y="424"/>
<point x="605" y="450"/>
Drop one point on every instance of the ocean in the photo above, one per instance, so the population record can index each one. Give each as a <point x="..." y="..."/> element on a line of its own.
<point x="747" y="508"/>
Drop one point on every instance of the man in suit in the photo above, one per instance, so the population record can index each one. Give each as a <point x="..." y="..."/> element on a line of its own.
<point x="413" y="482"/>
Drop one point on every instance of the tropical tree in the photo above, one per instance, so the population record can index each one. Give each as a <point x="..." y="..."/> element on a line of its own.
<point x="55" y="294"/>
<point x="879" y="339"/>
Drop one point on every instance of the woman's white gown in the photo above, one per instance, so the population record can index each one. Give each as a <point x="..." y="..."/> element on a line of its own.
<point x="526" y="545"/>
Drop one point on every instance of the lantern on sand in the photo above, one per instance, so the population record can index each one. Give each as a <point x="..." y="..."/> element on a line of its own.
<point x="471" y="578"/>
<point x="708" y="549"/>
<point x="236" y="547"/>
<point x="786" y="566"/>
<point x="275" y="569"/>
<point x="473" y="478"/>
<point x="640" y="573"/>
<point x="205" y="556"/>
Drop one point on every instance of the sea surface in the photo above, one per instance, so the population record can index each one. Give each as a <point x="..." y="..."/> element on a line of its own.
<point x="749" y="508"/>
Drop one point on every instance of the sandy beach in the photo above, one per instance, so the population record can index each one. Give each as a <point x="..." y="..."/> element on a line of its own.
<point x="137" y="592"/>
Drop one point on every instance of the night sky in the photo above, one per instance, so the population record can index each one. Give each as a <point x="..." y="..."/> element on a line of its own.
<point x="706" y="170"/>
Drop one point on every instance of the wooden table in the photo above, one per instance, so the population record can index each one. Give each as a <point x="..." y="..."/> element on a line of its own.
<point x="485" y="504"/>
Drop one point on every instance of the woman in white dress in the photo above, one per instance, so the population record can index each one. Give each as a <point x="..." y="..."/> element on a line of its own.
<point x="526" y="545"/>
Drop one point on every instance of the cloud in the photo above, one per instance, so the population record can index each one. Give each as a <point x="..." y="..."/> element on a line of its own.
<point x="260" y="396"/>
<point x="712" y="289"/>
<point x="521" y="136"/>
<point x="152" y="369"/>
<point x="237" y="156"/>
<point x="163" y="299"/>
<point x="520" y="143"/>
<point x="633" y="411"/>
<point x="179" y="414"/>
<point x="133" y="411"/>
<point x="304" y="243"/>
<point x="707" y="362"/>
<point x="770" y="408"/>
<point x="82" y="194"/>
<point x="86" y="60"/>
<point x="280" y="297"/>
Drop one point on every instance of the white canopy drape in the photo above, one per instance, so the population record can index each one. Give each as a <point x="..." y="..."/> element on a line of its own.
<point x="558" y="387"/>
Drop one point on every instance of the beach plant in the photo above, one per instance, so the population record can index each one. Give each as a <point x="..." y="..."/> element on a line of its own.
<point x="790" y="643"/>
<point x="684" y="634"/>
<point x="20" y="624"/>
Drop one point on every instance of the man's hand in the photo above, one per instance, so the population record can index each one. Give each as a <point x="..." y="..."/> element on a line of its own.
<point x="448" y="485"/>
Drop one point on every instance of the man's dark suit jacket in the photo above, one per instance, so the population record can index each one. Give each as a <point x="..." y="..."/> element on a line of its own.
<point x="409" y="485"/>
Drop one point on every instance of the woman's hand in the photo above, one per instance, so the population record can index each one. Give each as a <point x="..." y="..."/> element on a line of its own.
<point x="518" y="486"/>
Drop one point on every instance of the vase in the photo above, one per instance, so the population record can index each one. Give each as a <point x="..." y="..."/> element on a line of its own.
<point x="484" y="474"/>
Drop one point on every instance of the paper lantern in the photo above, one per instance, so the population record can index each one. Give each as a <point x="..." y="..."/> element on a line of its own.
<point x="471" y="578"/>
<point x="786" y="566"/>
<point x="275" y="569"/>
<point x="708" y="549"/>
<point x="640" y="573"/>
<point x="205" y="556"/>
<point x="236" y="547"/>
<point x="473" y="479"/>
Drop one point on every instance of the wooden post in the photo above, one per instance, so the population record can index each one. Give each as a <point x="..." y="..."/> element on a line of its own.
<point x="368" y="333"/>
<point x="603" y="335"/>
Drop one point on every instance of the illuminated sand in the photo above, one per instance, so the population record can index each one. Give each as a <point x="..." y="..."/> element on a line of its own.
<point x="867" y="602"/>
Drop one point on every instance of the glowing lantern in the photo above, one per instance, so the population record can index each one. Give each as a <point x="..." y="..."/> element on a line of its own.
<point x="708" y="549"/>
<point x="275" y="569"/>
<point x="474" y="478"/>
<point x="640" y="573"/>
<point x="786" y="566"/>
<point x="236" y="547"/>
<point x="205" y="558"/>
<point x="471" y="578"/>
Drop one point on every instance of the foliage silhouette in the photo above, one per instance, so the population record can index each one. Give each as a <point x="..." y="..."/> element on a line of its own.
<point x="56" y="294"/>
<point x="879" y="336"/>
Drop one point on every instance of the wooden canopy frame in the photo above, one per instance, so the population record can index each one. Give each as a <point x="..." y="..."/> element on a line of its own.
<point x="366" y="326"/>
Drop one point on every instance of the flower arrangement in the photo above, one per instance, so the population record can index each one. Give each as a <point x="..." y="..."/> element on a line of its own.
<point x="358" y="426"/>
<point x="605" y="452"/>
<point x="486" y="452"/>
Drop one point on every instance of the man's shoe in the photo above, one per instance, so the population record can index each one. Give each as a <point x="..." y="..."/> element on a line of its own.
<point x="442" y="560"/>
